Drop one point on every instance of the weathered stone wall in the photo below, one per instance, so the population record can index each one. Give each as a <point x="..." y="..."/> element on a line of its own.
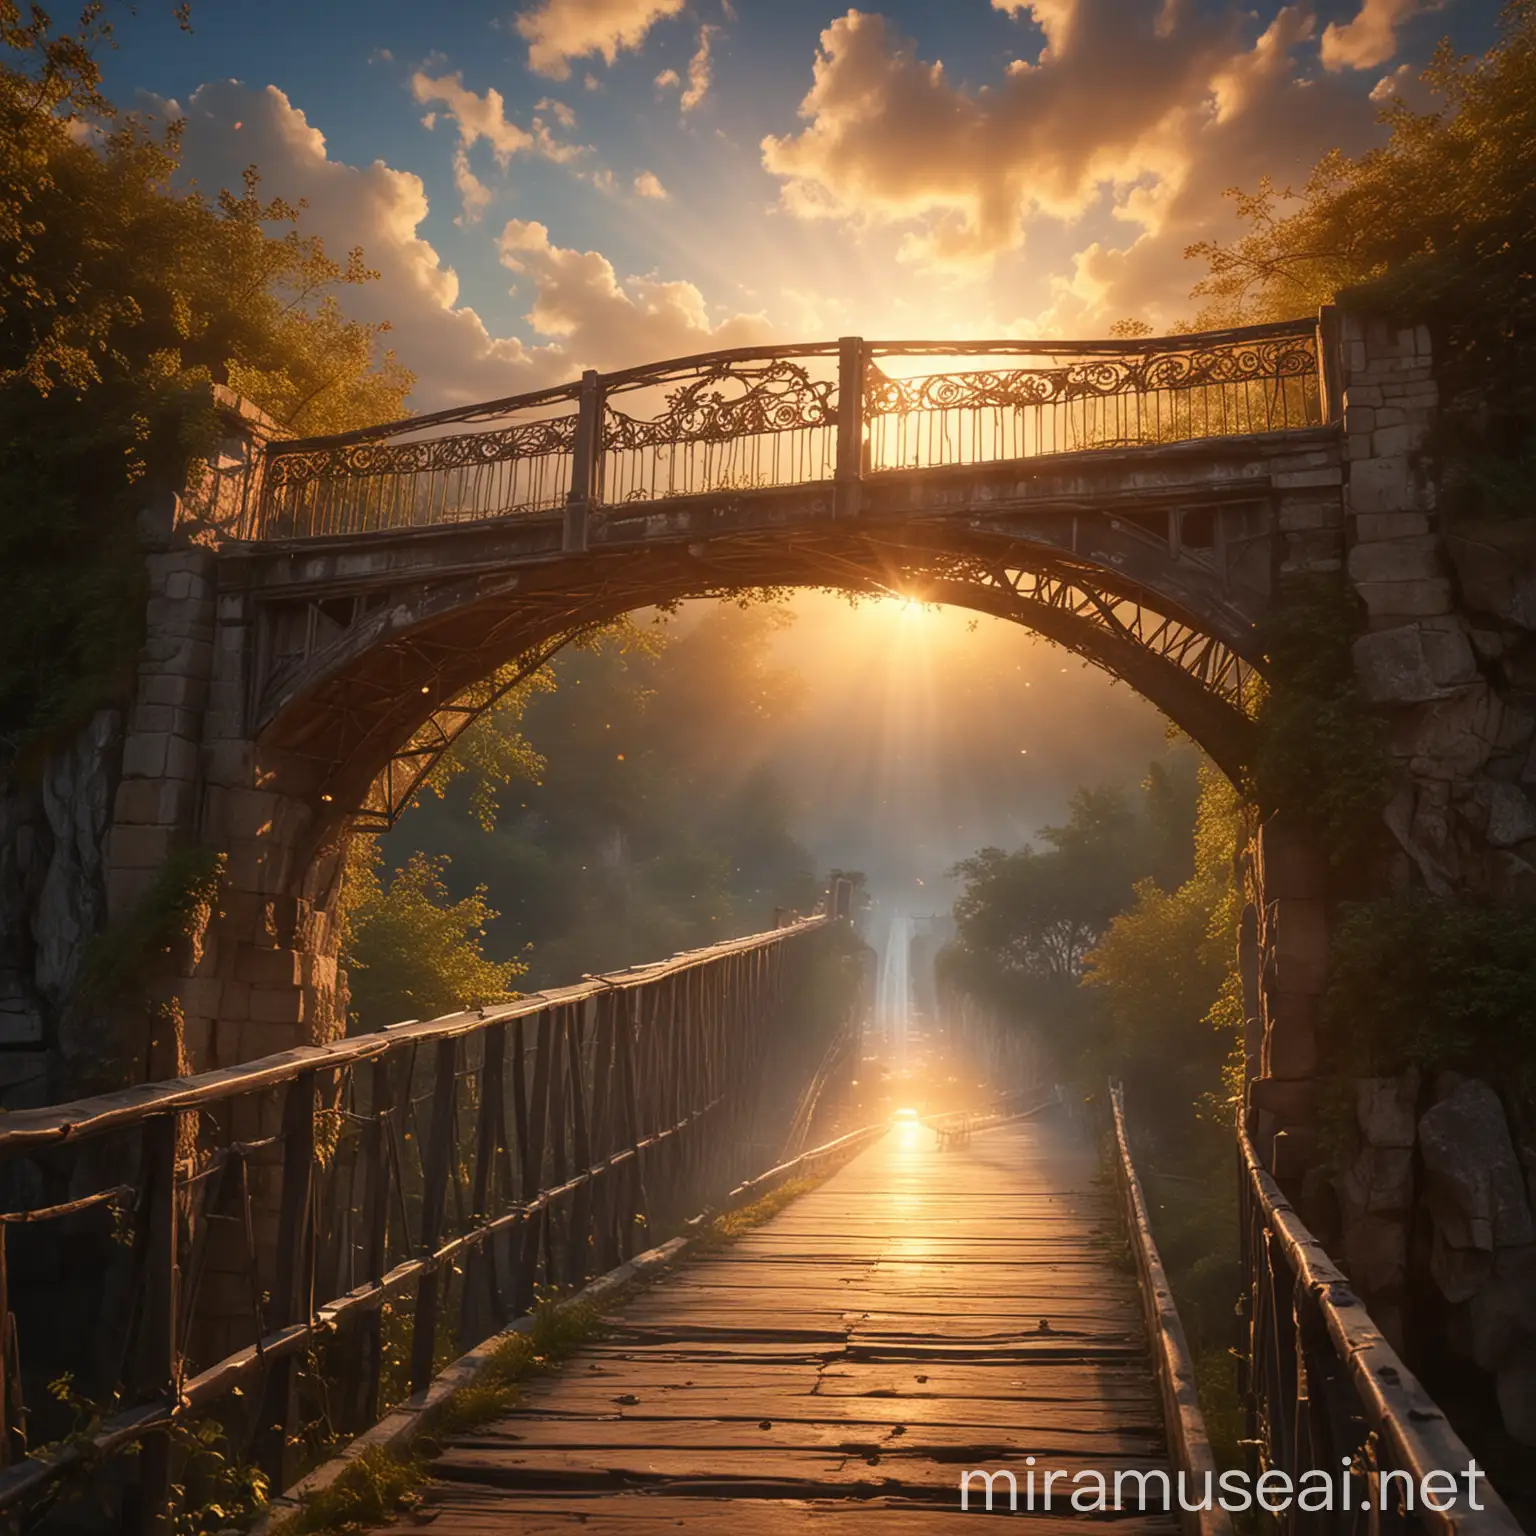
<point x="1423" y="1185"/>
<point x="53" y="898"/>
<point x="1451" y="635"/>
<point x="1435" y="1206"/>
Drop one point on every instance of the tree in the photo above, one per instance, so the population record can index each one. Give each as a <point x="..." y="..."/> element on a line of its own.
<point x="411" y="951"/>
<point x="653" y="825"/>
<point x="1435" y="227"/>
<point x="1026" y="922"/>
<point x="123" y="298"/>
<point x="1162" y="972"/>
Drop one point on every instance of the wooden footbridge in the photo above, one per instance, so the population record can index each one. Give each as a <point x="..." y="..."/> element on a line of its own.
<point x="253" y="1266"/>
<point x="921" y="1315"/>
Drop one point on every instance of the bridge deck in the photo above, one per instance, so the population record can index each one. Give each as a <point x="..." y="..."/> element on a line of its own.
<point x="920" y="1313"/>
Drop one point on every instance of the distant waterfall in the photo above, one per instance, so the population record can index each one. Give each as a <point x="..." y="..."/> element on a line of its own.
<point x="893" y="989"/>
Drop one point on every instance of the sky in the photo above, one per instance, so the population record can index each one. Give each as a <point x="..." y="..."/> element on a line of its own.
<point x="600" y="183"/>
<point x="569" y="184"/>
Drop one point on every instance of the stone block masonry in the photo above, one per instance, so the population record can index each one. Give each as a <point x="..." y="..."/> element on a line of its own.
<point x="1450" y="625"/>
<point x="1438" y="633"/>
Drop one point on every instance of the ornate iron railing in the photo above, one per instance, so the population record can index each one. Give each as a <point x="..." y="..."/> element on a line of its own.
<point x="767" y="418"/>
<point x="1324" y="1390"/>
<point x="417" y="474"/>
<point x="721" y="423"/>
<point x="290" y="1245"/>
<point x="1023" y="400"/>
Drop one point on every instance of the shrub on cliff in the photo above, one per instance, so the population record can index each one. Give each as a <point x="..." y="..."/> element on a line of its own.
<point x="1434" y="227"/>
<point x="122" y="298"/>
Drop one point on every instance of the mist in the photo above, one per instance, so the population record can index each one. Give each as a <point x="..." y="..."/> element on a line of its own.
<point x="922" y="734"/>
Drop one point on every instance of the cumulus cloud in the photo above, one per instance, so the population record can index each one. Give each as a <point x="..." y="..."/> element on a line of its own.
<point x="562" y="114"/>
<point x="485" y="117"/>
<point x="474" y="195"/>
<point x="1145" y="108"/>
<point x="594" y="319"/>
<point x="478" y="117"/>
<point x="648" y="184"/>
<point x="602" y="322"/>
<point x="700" y="73"/>
<point x="889" y="136"/>
<point x="1056" y="18"/>
<point x="558" y="31"/>
<point x="1371" y="38"/>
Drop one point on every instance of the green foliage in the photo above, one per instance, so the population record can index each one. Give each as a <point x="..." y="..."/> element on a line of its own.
<point x="1321" y="755"/>
<point x="213" y="1488"/>
<point x="176" y="906"/>
<point x="379" y="1485"/>
<point x="122" y="299"/>
<point x="653" y="825"/>
<point x="1162" y="973"/>
<point x="733" y="1224"/>
<point x="1435" y="227"/>
<point x="410" y="949"/>
<point x="493" y="753"/>
<point x="376" y="1487"/>
<point x="1025" y="922"/>
<point x="1418" y="981"/>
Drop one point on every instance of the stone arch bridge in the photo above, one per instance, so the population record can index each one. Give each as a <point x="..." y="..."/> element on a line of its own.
<point x="327" y="615"/>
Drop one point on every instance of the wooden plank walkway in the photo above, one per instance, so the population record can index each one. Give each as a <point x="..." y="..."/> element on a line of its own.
<point x="921" y="1313"/>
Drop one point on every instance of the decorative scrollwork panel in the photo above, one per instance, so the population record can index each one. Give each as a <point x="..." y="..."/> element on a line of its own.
<point x="1143" y="398"/>
<point x="375" y="486"/>
<point x="725" y="426"/>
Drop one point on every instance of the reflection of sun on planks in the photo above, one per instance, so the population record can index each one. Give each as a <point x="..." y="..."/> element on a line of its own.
<point x="917" y="1314"/>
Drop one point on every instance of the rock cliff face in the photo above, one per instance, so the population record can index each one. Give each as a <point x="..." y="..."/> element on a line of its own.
<point x="1436" y="1203"/>
<point x="53" y="835"/>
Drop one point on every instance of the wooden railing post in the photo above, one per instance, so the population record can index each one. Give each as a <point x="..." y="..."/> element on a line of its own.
<point x="12" y="1444"/>
<point x="532" y="1131"/>
<point x="632" y="1209"/>
<point x="482" y="1285"/>
<point x="579" y="1232"/>
<point x="376" y="1197"/>
<point x="158" y="1367"/>
<point x="290" y="1292"/>
<point x="436" y="1166"/>
<point x="586" y="465"/>
<point x="850" y="425"/>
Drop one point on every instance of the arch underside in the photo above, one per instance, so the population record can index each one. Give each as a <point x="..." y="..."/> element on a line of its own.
<point x="372" y="729"/>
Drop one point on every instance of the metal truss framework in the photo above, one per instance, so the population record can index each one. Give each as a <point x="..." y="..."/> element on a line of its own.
<point x="1195" y="677"/>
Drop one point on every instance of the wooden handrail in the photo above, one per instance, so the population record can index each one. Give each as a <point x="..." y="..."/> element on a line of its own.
<point x="1188" y="1441"/>
<point x="640" y="1080"/>
<point x="56" y="1124"/>
<point x="1389" y="1397"/>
